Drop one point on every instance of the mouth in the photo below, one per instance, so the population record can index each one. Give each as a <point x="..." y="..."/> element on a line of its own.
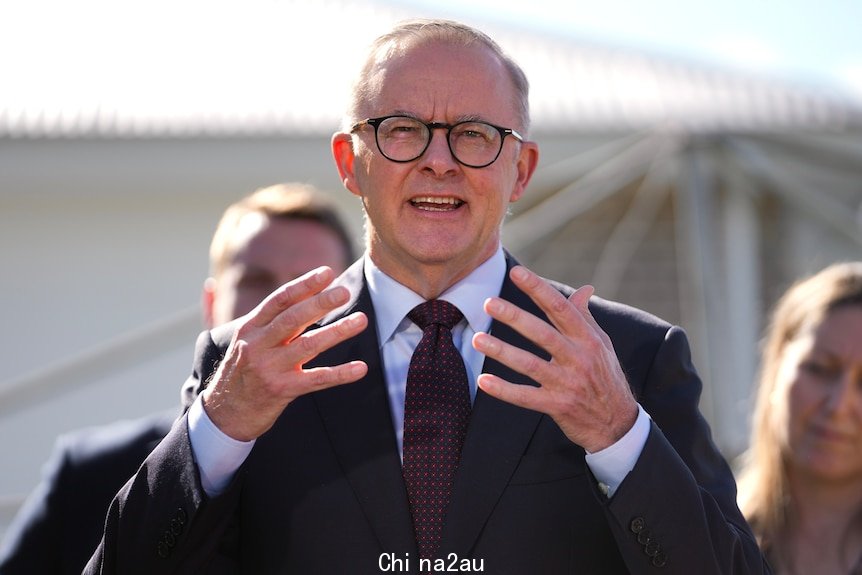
<point x="834" y="435"/>
<point x="436" y="203"/>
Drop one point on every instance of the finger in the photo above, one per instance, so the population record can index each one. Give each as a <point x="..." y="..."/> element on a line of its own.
<point x="525" y="396"/>
<point x="581" y="300"/>
<point x="291" y="293"/>
<point x="514" y="357"/>
<point x="311" y="343"/>
<point x="557" y="308"/>
<point x="317" y="378"/>
<point x="536" y="330"/>
<point x="292" y="321"/>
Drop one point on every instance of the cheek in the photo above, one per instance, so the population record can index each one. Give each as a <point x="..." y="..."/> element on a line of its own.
<point x="247" y="298"/>
<point x="804" y="395"/>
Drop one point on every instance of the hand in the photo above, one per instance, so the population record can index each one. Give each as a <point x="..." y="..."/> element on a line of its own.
<point x="583" y="387"/>
<point x="262" y="371"/>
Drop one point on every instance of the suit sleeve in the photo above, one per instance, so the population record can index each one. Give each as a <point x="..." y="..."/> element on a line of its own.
<point x="37" y="526"/>
<point x="677" y="508"/>
<point x="161" y="521"/>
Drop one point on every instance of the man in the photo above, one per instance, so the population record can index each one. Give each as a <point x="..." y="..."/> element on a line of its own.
<point x="262" y="241"/>
<point x="317" y="446"/>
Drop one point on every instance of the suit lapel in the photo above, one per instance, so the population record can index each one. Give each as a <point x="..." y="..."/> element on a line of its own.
<point x="497" y="436"/>
<point x="358" y="421"/>
<point x="357" y="418"/>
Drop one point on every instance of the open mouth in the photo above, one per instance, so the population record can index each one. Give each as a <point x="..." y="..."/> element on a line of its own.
<point x="436" y="204"/>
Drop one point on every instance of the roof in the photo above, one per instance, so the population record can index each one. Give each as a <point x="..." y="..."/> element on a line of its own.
<point x="267" y="68"/>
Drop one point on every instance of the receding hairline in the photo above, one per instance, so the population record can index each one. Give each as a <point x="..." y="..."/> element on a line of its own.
<point x="413" y="33"/>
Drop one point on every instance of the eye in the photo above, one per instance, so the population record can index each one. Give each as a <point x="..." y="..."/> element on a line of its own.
<point x="820" y="368"/>
<point x="475" y="131"/>
<point x="401" y="127"/>
<point x="256" y="281"/>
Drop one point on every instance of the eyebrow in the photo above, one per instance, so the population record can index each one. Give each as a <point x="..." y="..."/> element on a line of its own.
<point x="458" y="119"/>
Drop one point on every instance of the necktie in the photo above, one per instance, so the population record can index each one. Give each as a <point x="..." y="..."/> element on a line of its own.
<point x="436" y="410"/>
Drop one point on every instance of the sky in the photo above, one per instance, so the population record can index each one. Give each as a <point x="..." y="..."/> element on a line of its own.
<point x="184" y="57"/>
<point x="807" y="40"/>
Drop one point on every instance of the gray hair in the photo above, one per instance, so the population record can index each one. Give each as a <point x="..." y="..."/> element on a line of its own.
<point x="414" y="32"/>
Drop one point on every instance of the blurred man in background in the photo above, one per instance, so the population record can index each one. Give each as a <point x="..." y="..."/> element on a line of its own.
<point x="262" y="241"/>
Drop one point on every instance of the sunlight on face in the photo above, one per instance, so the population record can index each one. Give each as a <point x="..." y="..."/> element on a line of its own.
<point x="821" y="378"/>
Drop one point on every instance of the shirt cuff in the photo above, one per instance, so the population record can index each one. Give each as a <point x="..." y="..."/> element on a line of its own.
<point x="611" y="465"/>
<point x="218" y="456"/>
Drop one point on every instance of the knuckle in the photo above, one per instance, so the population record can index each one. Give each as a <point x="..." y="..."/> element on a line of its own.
<point x="559" y="304"/>
<point x="534" y="365"/>
<point x="343" y="328"/>
<point x="289" y="317"/>
<point x="307" y="344"/>
<point x="511" y="312"/>
<point x="593" y="345"/>
<point x="320" y="378"/>
<point x="283" y="296"/>
<point x="548" y="339"/>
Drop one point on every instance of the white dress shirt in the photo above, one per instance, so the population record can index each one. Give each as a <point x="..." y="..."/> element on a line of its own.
<point x="218" y="456"/>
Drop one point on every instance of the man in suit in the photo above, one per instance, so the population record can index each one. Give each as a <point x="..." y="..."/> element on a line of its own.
<point x="584" y="451"/>
<point x="262" y="241"/>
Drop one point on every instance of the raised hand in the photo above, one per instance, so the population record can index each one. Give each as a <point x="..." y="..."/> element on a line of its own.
<point x="583" y="387"/>
<point x="262" y="371"/>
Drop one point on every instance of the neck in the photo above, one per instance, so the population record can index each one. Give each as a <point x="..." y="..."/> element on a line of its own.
<point x="824" y="529"/>
<point x="817" y="501"/>
<point x="429" y="279"/>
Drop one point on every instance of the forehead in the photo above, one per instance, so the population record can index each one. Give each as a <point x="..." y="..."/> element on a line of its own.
<point x="282" y="239"/>
<point x="840" y="332"/>
<point x="436" y="79"/>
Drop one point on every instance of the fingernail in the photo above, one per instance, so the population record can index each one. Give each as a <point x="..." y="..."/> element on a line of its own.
<point x="495" y="305"/>
<point x="519" y="273"/>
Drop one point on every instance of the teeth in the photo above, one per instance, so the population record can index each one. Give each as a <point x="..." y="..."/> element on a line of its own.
<point x="436" y="200"/>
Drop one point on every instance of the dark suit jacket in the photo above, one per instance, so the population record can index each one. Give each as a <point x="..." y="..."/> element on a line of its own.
<point x="61" y="523"/>
<point x="322" y="492"/>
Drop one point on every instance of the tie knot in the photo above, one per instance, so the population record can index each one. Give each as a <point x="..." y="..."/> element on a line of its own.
<point x="435" y="311"/>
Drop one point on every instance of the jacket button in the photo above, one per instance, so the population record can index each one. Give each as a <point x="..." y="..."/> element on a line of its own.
<point x="652" y="548"/>
<point x="637" y="525"/>
<point x="644" y="537"/>
<point x="660" y="560"/>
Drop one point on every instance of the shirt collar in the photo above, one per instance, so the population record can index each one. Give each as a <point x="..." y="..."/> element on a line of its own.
<point x="393" y="301"/>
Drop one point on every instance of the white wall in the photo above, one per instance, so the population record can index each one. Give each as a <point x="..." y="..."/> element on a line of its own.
<point x="104" y="240"/>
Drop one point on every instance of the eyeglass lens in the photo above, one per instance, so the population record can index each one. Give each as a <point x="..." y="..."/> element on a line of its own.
<point x="404" y="139"/>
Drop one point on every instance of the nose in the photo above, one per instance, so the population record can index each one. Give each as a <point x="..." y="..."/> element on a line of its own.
<point x="846" y="392"/>
<point x="438" y="157"/>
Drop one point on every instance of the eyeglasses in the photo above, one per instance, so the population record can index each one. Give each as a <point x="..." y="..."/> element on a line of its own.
<point x="404" y="139"/>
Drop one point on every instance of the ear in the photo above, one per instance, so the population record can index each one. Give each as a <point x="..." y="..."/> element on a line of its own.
<point x="528" y="159"/>
<point x="345" y="160"/>
<point x="208" y="295"/>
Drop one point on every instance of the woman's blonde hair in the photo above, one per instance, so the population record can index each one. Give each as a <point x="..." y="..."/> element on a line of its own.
<point x="763" y="483"/>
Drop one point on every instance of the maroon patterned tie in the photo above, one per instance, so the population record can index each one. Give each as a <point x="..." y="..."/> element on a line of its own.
<point x="436" y="410"/>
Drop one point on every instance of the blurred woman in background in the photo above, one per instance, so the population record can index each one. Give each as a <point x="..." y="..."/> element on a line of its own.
<point x="801" y="483"/>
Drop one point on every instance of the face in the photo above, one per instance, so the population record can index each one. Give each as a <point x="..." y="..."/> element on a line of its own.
<point x="822" y="374"/>
<point x="433" y="213"/>
<point x="268" y="253"/>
